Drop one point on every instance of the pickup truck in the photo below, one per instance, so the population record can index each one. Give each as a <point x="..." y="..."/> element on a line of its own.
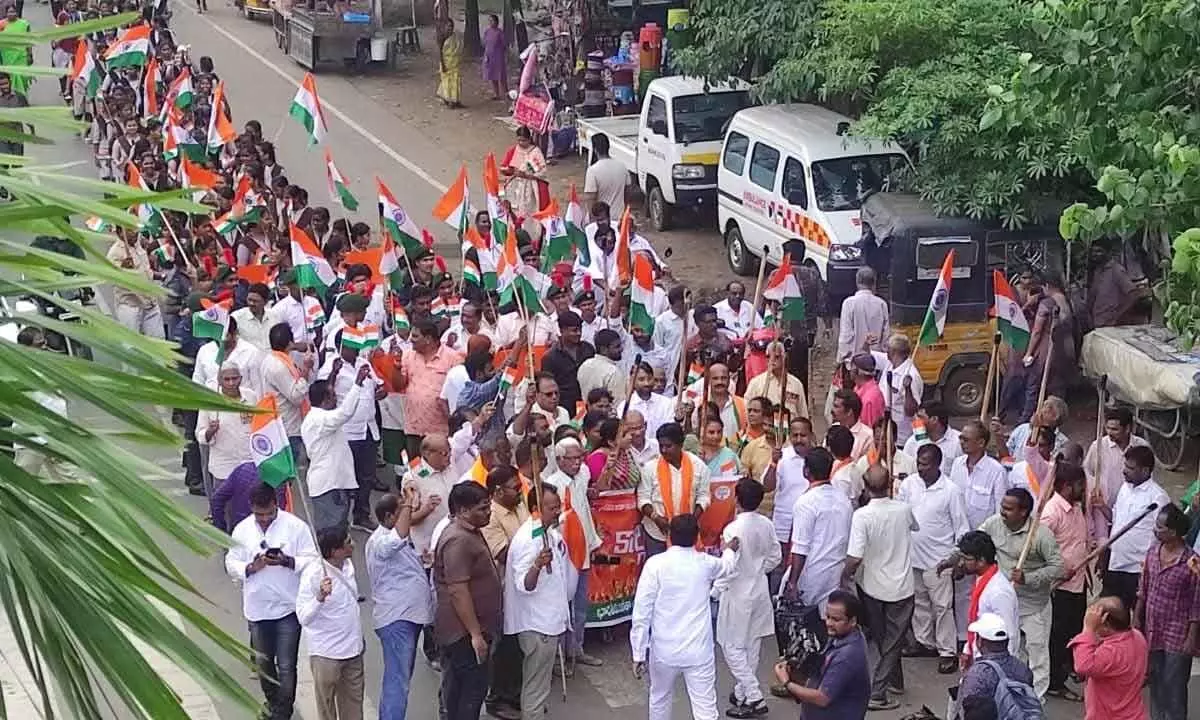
<point x="673" y="146"/>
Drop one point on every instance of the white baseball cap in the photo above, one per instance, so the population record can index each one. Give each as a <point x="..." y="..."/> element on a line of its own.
<point x="989" y="626"/>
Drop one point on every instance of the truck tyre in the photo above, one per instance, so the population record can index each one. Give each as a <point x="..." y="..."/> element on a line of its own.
<point x="658" y="208"/>
<point x="963" y="392"/>
<point x="739" y="257"/>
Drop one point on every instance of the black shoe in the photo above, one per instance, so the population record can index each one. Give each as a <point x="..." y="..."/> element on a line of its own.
<point x="197" y="490"/>
<point x="733" y="701"/>
<point x="748" y="710"/>
<point x="918" y="651"/>
<point x="947" y="666"/>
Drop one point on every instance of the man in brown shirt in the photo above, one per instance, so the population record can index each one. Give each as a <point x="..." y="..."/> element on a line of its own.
<point x="508" y="514"/>
<point x="1113" y="297"/>
<point x="469" y="612"/>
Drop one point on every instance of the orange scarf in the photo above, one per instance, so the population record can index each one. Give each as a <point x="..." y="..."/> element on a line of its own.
<point x="572" y="531"/>
<point x="667" y="487"/>
<point x="1034" y="484"/>
<point x="973" y="609"/>
<point x="286" y="359"/>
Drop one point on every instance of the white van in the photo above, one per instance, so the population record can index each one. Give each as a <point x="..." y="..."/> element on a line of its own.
<point x="792" y="172"/>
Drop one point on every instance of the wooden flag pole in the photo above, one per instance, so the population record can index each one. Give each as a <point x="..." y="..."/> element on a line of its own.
<point x="758" y="292"/>
<point x="993" y="370"/>
<point x="681" y="372"/>
<point x="1036" y="519"/>
<point x="1097" y="495"/>
<point x="1033" y="436"/>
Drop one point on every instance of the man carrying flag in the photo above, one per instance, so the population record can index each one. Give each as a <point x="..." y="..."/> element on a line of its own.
<point x="324" y="431"/>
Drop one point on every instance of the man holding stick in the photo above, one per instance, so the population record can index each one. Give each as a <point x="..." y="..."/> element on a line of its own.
<point x="1029" y="554"/>
<point x="1126" y="551"/>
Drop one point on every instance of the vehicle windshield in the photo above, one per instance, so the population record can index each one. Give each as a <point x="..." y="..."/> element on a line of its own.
<point x="702" y="118"/>
<point x="843" y="183"/>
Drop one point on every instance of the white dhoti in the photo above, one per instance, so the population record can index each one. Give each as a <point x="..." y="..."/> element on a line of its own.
<point x="743" y="663"/>
<point x="701" y="681"/>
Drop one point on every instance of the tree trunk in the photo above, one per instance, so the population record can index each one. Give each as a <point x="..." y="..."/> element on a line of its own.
<point x="472" y="44"/>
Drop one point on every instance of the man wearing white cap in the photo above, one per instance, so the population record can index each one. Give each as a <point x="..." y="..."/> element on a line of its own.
<point x="992" y="638"/>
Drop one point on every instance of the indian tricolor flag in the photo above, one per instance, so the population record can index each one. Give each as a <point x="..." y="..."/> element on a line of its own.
<point x="339" y="189"/>
<point x="212" y="321"/>
<point x="1011" y="322"/>
<point x="622" y="271"/>
<point x="783" y="288"/>
<point x="508" y="264"/>
<point x="84" y="67"/>
<point x="419" y="468"/>
<point x="221" y="131"/>
<point x="491" y="188"/>
<point x="454" y="207"/>
<point x="181" y="92"/>
<point x="556" y="241"/>
<point x="360" y="338"/>
<point x="195" y="176"/>
<point x="576" y="221"/>
<point x="935" y="316"/>
<point x="98" y="224"/>
<point x="269" y="444"/>
<point x="510" y="377"/>
<point x="312" y="269"/>
<point x="306" y="108"/>
<point x="399" y="316"/>
<point x="150" y="80"/>
<point x="398" y="223"/>
<point x="146" y="214"/>
<point x="131" y="48"/>
<point x="179" y="141"/>
<point x="641" y="294"/>
<point x="470" y="273"/>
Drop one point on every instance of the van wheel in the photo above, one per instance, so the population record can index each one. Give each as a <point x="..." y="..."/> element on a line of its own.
<point x="735" y="249"/>
<point x="963" y="391"/>
<point x="659" y="209"/>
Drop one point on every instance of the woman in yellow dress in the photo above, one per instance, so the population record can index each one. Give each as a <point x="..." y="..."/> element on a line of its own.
<point x="450" y="86"/>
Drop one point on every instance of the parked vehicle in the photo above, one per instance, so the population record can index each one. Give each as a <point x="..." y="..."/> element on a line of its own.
<point x="673" y="146"/>
<point x="793" y="172"/>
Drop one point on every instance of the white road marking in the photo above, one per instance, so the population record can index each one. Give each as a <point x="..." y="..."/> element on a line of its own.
<point x="333" y="109"/>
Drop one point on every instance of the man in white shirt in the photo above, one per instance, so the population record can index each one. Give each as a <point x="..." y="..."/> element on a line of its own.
<point x="601" y="370"/>
<point x="785" y="477"/>
<point x="847" y="411"/>
<point x="1125" y="556"/>
<point x="737" y="314"/>
<point x="572" y="480"/>
<point x="656" y="410"/>
<point x="539" y="583"/>
<point x="269" y="549"/>
<point x="256" y="319"/>
<point x="880" y="552"/>
<point x="864" y="321"/>
<point x="323" y="432"/>
<point x="235" y="349"/>
<point x="992" y="591"/>
<point x="362" y="431"/>
<point x="903" y="395"/>
<point x="820" y="534"/>
<point x="431" y="478"/>
<point x="745" y="614"/>
<point x="290" y="308"/>
<point x="327" y="608"/>
<point x="672" y="631"/>
<point x="669" y="332"/>
<point x="932" y="425"/>
<point x="1104" y="465"/>
<point x="605" y="180"/>
<point x="402" y="598"/>
<point x="941" y="515"/>
<point x="643" y="448"/>
<point x="674" y="484"/>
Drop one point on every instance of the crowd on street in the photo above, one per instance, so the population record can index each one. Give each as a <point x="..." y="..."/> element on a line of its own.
<point x="467" y="428"/>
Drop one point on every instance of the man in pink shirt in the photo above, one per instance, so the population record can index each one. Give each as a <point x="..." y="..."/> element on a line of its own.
<point x="1111" y="657"/>
<point x="1063" y="517"/>
<point x="422" y="375"/>
<point x="867" y="389"/>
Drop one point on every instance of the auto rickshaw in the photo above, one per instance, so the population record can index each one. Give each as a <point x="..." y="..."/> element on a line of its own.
<point x="254" y="9"/>
<point x="907" y="243"/>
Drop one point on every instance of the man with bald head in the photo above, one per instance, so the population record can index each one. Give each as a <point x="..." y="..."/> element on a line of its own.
<point x="879" y="558"/>
<point x="720" y="393"/>
<point x="1111" y="657"/>
<point x="643" y="447"/>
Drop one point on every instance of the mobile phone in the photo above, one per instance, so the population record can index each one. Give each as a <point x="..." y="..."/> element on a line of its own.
<point x="273" y="552"/>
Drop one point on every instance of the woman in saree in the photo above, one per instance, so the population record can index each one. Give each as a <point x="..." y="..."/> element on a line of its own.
<point x="450" y="85"/>
<point x="16" y="56"/>
<point x="714" y="452"/>
<point x="525" y="167"/>
<point x="611" y="463"/>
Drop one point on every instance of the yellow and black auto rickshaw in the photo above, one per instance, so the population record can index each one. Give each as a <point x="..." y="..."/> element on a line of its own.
<point x="907" y="243"/>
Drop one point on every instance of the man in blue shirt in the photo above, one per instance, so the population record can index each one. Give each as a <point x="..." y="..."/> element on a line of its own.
<point x="842" y="689"/>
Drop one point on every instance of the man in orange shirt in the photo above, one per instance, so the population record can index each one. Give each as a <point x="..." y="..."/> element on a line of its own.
<point x="422" y="375"/>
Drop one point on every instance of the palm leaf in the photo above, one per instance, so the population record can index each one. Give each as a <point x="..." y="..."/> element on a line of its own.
<point x="84" y="579"/>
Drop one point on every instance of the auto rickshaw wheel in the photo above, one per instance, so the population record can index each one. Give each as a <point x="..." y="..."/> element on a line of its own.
<point x="963" y="392"/>
<point x="737" y="253"/>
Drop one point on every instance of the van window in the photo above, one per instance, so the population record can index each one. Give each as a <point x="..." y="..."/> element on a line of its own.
<point x="763" y="165"/>
<point x="794" y="182"/>
<point x="702" y="118"/>
<point x="843" y="183"/>
<point x="656" y="115"/>
<point x="735" y="152"/>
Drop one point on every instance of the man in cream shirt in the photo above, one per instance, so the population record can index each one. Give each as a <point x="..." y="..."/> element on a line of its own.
<point x="672" y="631"/>
<point x="675" y="484"/>
<point x="820" y="534"/>
<point x="323" y="431"/>
<point x="327" y="607"/>
<point x="655" y="410"/>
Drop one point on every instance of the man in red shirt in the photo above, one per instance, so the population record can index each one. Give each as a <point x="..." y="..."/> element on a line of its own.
<point x="1111" y="657"/>
<point x="866" y="387"/>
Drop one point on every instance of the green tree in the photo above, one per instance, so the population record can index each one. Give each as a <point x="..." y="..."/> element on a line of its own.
<point x="744" y="38"/>
<point x="82" y="569"/>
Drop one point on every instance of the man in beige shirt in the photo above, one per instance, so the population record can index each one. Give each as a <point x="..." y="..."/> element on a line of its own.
<point x="601" y="370"/>
<point x="135" y="311"/>
<point x="509" y="513"/>
<point x="771" y="383"/>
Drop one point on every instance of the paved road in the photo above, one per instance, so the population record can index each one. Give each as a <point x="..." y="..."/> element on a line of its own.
<point x="367" y="140"/>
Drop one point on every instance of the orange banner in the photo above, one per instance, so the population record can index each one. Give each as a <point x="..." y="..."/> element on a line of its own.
<point x="722" y="507"/>
<point x="618" y="561"/>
